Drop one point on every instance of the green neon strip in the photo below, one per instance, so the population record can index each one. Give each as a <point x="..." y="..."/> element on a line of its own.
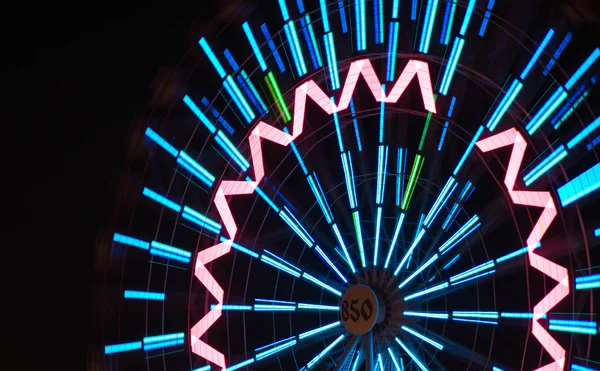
<point x="276" y="94"/>
<point x="414" y="175"/>
<point x="359" y="238"/>
<point x="426" y="125"/>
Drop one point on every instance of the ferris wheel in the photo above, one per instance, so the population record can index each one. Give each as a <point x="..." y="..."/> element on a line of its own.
<point x="398" y="185"/>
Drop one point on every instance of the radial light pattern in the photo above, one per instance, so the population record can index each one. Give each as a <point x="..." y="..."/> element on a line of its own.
<point x="368" y="189"/>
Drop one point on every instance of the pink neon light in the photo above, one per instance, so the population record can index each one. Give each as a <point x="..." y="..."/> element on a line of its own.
<point x="270" y="133"/>
<point x="549" y="268"/>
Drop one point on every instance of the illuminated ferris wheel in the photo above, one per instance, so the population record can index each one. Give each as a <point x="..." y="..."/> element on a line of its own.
<point x="398" y="185"/>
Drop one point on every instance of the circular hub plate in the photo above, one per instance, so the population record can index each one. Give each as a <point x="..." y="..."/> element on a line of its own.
<point x="359" y="309"/>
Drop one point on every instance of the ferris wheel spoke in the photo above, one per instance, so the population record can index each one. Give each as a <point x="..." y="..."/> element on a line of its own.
<point x="349" y="352"/>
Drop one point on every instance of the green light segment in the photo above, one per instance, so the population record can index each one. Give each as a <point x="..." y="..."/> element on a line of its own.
<point x="277" y="97"/>
<point x="412" y="182"/>
<point x="358" y="230"/>
<point x="426" y="125"/>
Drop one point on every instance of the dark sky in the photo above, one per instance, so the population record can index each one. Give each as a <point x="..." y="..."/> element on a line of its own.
<point x="78" y="77"/>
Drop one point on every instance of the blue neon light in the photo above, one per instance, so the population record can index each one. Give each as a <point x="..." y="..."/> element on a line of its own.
<point x="161" y="142"/>
<point x="125" y="347"/>
<point x="537" y="53"/>
<point x="271" y="44"/>
<point x="201" y="116"/>
<point x="126" y="240"/>
<point x="581" y="186"/>
<point x="161" y="199"/>
<point x="486" y="17"/>
<point x="557" y="53"/>
<point x="543" y="167"/>
<point x="585" y="132"/>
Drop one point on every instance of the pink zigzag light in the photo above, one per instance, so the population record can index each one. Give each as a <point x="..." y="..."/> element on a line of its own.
<point x="265" y="131"/>
<point x="549" y="268"/>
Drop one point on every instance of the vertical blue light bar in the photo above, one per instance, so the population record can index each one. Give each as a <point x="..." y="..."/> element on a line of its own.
<point x="211" y="56"/>
<point x="581" y="186"/>
<point x="537" y="53"/>
<point x="324" y="15"/>
<point x="450" y="22"/>
<point x="355" y="123"/>
<point x="430" y="13"/>
<point x="506" y="101"/>
<point x="343" y="16"/>
<point x="392" y="50"/>
<point x="486" y="17"/>
<point x="378" y="11"/>
<point x="557" y="53"/>
<point x="382" y="115"/>
<point x="254" y="45"/>
<point x="284" y="10"/>
<point x="467" y="19"/>
<point x="445" y="22"/>
<point x="311" y="41"/>
<point x="297" y="56"/>
<point x="361" y="24"/>
<point x="271" y="44"/>
<point x="395" y="8"/>
<point x="413" y="11"/>
<point x="443" y="136"/>
<point x="311" y="51"/>
<point x="331" y="61"/>
<point x="457" y="48"/>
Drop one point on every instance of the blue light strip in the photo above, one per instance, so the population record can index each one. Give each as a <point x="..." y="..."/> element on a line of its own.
<point x="584" y="133"/>
<point x="467" y="19"/>
<point x="361" y="24"/>
<point x="254" y="45"/>
<point x="275" y="350"/>
<point x="294" y="44"/>
<point x="451" y="262"/>
<point x="427" y="314"/>
<point x="290" y="220"/>
<point x="273" y="263"/>
<point x="581" y="327"/>
<point x="271" y="44"/>
<point x="231" y="60"/>
<point x="211" y="56"/>
<point x="320" y="196"/>
<point x="537" y="53"/>
<point x="245" y="363"/>
<point x="394" y="239"/>
<point x="324" y="352"/>
<point x="120" y="348"/>
<point x="569" y="107"/>
<point x="273" y="344"/>
<point x="218" y="116"/>
<point x="161" y="142"/>
<point x="201" y="116"/>
<point x="517" y="253"/>
<point x="318" y="307"/>
<point x="476" y="321"/>
<point x="195" y="169"/>
<point x="377" y="234"/>
<point x="575" y="367"/>
<point x="381" y="173"/>
<point x="355" y="123"/>
<point x="557" y="53"/>
<point x="412" y="356"/>
<point x="284" y="10"/>
<point x="410" y="250"/>
<point x="201" y="220"/>
<point x="505" y="103"/>
<point x="426" y="291"/>
<point x="224" y="142"/>
<point x="486" y="17"/>
<point x="450" y="22"/>
<point x="251" y="92"/>
<point x="395" y="8"/>
<point x="324" y="15"/>
<point x="312" y="279"/>
<point x="330" y="263"/>
<point x="311" y="41"/>
<point x="547" y="164"/>
<point x="400" y="170"/>
<point x="480" y="268"/>
<point x="583" y="68"/>
<point x="463" y="232"/>
<point x="430" y="13"/>
<point x="392" y="50"/>
<point x="457" y="48"/>
<point x="443" y="136"/>
<point x="239" y="100"/>
<point x="331" y="61"/>
<point x="342" y="8"/>
<point x="413" y="10"/>
<point x="161" y="199"/>
<point x="316" y="331"/>
<point x="449" y="4"/>
<point x="423" y="337"/>
<point x="418" y="271"/>
<point x="440" y="201"/>
<point x="547" y="109"/>
<point x="521" y="315"/>
<point x="240" y="248"/>
<point x="186" y="255"/>
<point x="474" y="277"/>
<point x="349" y="178"/>
<point x="274" y="308"/>
<point x="581" y="186"/>
<point x="338" y="236"/>
<point x="473" y="314"/>
<point x="594" y="142"/>
<point x="469" y="149"/>
<point x="588" y="282"/>
<point x="126" y="240"/>
<point x="378" y="21"/>
<point x="144" y="295"/>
